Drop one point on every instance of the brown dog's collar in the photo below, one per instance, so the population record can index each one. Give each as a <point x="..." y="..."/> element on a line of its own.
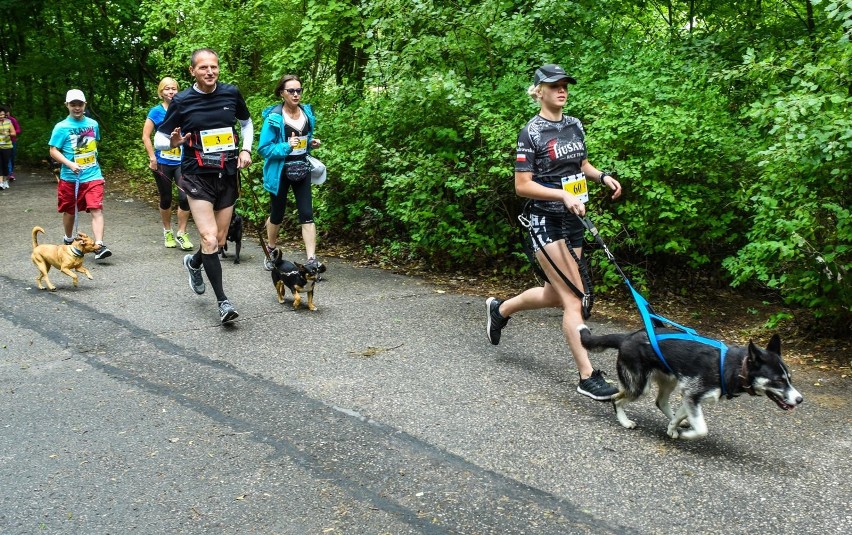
<point x="76" y="252"/>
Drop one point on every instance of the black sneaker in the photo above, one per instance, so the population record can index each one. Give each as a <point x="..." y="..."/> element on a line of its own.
<point x="495" y="322"/>
<point x="196" y="281"/>
<point x="102" y="252"/>
<point x="596" y="387"/>
<point x="227" y="312"/>
<point x="67" y="241"/>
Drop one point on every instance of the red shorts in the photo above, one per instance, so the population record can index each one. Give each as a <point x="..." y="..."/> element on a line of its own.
<point x="90" y="196"/>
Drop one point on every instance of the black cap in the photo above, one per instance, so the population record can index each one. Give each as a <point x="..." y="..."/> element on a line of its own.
<point x="551" y="73"/>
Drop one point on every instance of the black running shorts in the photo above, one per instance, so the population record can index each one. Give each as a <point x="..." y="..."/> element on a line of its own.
<point x="546" y="227"/>
<point x="218" y="189"/>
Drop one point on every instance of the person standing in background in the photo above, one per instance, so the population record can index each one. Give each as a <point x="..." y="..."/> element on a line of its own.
<point x="17" y="127"/>
<point x="7" y="133"/>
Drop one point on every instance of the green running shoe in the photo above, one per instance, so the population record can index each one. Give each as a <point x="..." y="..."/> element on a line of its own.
<point x="183" y="241"/>
<point x="169" y="238"/>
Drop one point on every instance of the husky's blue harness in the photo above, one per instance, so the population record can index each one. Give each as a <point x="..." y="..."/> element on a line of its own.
<point x="651" y="320"/>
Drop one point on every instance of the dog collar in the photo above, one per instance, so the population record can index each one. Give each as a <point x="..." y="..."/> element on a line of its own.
<point x="76" y="252"/>
<point x="744" y="383"/>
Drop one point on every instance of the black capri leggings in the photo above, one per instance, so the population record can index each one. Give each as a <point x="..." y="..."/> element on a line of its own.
<point x="304" y="201"/>
<point x="165" y="176"/>
<point x="5" y="158"/>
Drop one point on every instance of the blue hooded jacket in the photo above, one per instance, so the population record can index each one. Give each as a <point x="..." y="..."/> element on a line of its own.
<point x="274" y="148"/>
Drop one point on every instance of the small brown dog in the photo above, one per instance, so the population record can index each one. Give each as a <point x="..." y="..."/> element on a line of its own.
<point x="295" y="277"/>
<point x="65" y="258"/>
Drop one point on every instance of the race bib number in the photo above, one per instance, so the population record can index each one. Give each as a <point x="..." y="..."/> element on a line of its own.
<point x="302" y="147"/>
<point x="576" y="186"/>
<point x="86" y="159"/>
<point x="217" y="140"/>
<point x="173" y="154"/>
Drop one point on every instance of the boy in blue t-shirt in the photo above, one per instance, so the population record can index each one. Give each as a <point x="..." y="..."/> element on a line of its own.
<point x="74" y="144"/>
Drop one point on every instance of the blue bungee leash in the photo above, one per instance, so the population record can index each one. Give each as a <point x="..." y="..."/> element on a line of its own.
<point x="651" y="320"/>
<point x="76" y="192"/>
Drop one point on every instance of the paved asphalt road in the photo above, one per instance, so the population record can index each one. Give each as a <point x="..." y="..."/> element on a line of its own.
<point x="126" y="408"/>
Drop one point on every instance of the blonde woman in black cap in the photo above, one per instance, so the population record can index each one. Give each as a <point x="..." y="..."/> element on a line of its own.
<point x="552" y="170"/>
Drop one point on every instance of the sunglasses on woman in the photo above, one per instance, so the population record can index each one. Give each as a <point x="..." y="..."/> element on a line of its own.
<point x="294" y="91"/>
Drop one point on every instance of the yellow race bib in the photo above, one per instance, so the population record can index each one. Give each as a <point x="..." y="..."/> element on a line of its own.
<point x="217" y="140"/>
<point x="576" y="185"/>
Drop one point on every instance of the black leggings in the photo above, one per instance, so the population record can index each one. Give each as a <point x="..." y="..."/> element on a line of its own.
<point x="165" y="176"/>
<point x="6" y="158"/>
<point x="304" y="201"/>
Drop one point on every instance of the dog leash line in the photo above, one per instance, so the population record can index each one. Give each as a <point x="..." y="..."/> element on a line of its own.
<point x="257" y="202"/>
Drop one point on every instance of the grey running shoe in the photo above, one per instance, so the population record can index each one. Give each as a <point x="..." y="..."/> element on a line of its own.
<point x="268" y="263"/>
<point x="102" y="252"/>
<point x="494" y="322"/>
<point x="227" y="312"/>
<point x="312" y="264"/>
<point x="196" y="281"/>
<point x="596" y="387"/>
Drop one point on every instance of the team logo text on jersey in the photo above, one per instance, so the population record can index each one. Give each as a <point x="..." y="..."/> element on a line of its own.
<point x="564" y="150"/>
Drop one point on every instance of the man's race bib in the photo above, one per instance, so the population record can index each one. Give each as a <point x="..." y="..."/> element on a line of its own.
<point x="302" y="147"/>
<point x="576" y="186"/>
<point x="173" y="154"/>
<point x="217" y="140"/>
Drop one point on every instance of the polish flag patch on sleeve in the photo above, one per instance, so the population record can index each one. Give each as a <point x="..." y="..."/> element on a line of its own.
<point x="521" y="157"/>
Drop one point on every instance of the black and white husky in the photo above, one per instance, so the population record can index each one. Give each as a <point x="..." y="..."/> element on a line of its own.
<point x="694" y="367"/>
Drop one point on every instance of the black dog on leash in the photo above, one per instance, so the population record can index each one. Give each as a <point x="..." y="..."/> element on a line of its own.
<point x="694" y="368"/>
<point x="235" y="234"/>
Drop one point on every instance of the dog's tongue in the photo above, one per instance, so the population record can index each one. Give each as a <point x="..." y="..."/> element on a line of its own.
<point x="781" y="403"/>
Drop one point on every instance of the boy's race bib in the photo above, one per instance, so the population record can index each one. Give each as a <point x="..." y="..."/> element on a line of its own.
<point x="576" y="186"/>
<point x="86" y="159"/>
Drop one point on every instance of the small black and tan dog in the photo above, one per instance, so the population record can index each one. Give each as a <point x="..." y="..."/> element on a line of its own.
<point x="235" y="234"/>
<point x="295" y="277"/>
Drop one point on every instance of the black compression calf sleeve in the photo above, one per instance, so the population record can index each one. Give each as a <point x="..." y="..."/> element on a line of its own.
<point x="213" y="268"/>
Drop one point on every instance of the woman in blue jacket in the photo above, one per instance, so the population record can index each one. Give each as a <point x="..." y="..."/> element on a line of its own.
<point x="286" y="140"/>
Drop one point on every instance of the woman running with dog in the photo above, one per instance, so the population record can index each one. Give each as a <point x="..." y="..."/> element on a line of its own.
<point x="202" y="118"/>
<point x="286" y="140"/>
<point x="166" y="167"/>
<point x="551" y="166"/>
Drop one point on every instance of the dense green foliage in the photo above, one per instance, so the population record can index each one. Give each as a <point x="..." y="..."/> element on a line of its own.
<point x="728" y="122"/>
